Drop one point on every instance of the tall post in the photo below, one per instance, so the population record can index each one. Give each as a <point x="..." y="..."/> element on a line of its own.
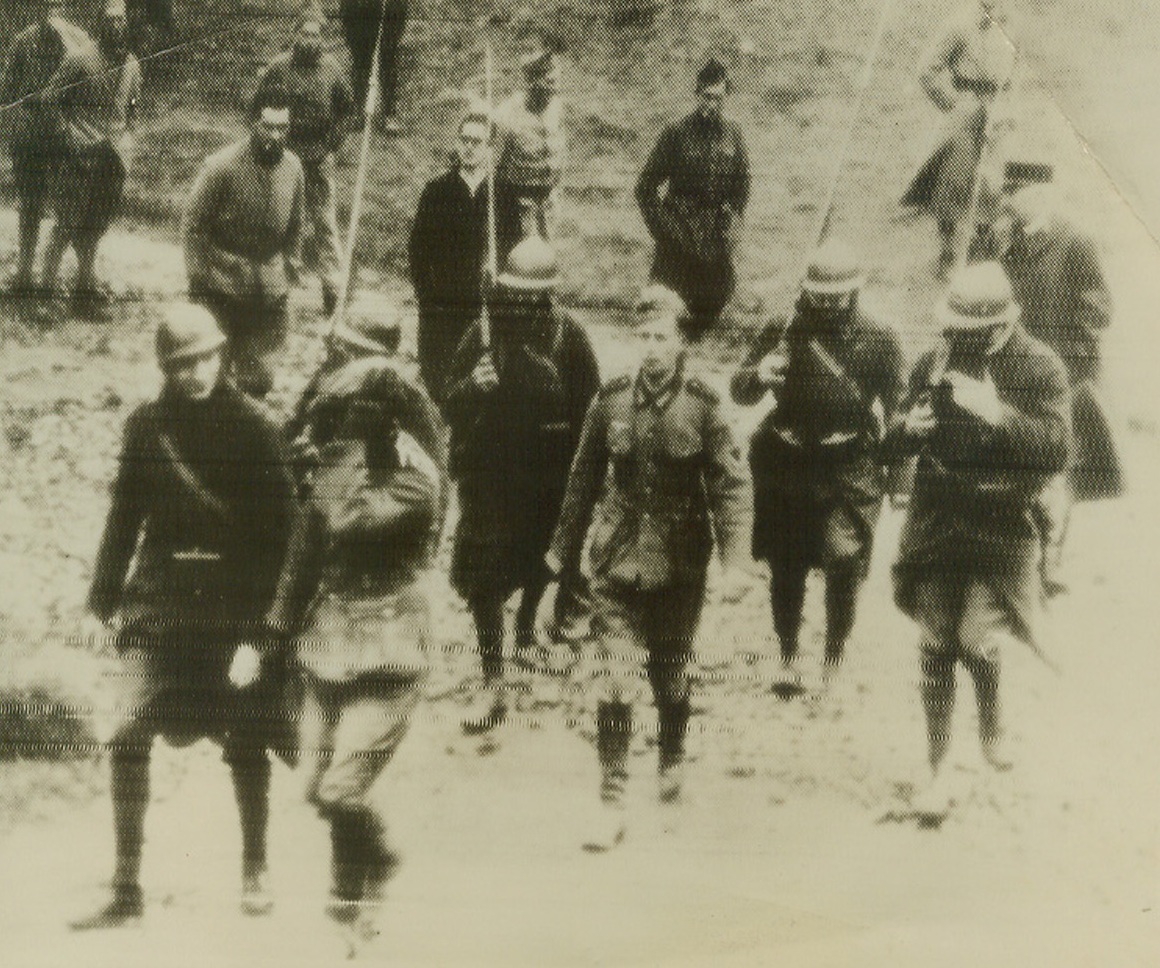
<point x="492" y="258"/>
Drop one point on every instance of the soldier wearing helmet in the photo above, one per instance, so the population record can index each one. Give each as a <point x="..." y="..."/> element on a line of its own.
<point x="193" y="545"/>
<point x="515" y="409"/>
<point x="834" y="375"/>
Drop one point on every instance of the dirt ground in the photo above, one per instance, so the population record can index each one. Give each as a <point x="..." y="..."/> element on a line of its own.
<point x="779" y="853"/>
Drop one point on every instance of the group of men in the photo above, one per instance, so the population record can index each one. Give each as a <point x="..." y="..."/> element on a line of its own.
<point x="239" y="556"/>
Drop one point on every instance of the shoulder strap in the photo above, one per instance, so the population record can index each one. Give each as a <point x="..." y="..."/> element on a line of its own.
<point x="189" y="479"/>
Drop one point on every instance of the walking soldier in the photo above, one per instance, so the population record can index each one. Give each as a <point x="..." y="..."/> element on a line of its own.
<point x="515" y="410"/>
<point x="321" y="106"/>
<point x="202" y="508"/>
<point x="353" y="589"/>
<point x="243" y="240"/>
<point x="659" y="473"/>
<point x="702" y="161"/>
<point x="969" y="65"/>
<point x="1060" y="287"/>
<point x="835" y="375"/>
<point x="988" y="414"/>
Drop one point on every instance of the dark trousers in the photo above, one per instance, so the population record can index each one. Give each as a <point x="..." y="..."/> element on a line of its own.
<point x="360" y="22"/>
<point x="32" y="169"/>
<point x="256" y="332"/>
<point x="787" y="592"/>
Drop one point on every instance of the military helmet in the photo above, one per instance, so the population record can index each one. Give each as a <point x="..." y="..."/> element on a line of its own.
<point x="979" y="296"/>
<point x="833" y="270"/>
<point x="185" y="331"/>
<point x="530" y="267"/>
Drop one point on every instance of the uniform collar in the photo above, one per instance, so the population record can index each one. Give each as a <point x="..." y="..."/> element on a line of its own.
<point x="656" y="389"/>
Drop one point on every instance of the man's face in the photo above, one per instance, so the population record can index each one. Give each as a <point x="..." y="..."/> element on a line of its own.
<point x="828" y="303"/>
<point x="472" y="145"/>
<point x="308" y="42"/>
<point x="711" y="99"/>
<point x="195" y="377"/>
<point x="656" y="335"/>
<point x="270" y="132"/>
<point x="116" y="28"/>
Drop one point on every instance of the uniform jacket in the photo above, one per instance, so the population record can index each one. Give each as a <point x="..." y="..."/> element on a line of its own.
<point x="963" y="71"/>
<point x="321" y="103"/>
<point x="820" y="444"/>
<point x="530" y="147"/>
<point x="35" y="56"/>
<point x="706" y="170"/>
<point x="85" y="92"/>
<point x="659" y="479"/>
<point x="976" y="485"/>
<point x="207" y="552"/>
<point x="357" y="599"/>
<point x="243" y="225"/>
<point x="447" y="248"/>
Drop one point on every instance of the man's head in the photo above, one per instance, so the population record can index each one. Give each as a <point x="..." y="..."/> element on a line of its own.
<point x="541" y="77"/>
<point x="524" y="288"/>
<point x="114" y="27"/>
<point x="270" y="126"/>
<point x="471" y="146"/>
<point x="308" y="38"/>
<point x="831" y="284"/>
<point x="659" y="312"/>
<point x="979" y="309"/>
<point x="189" y="351"/>
<point x="712" y="87"/>
<point x="1030" y="208"/>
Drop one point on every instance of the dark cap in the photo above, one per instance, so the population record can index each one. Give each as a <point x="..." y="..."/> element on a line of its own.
<point x="1027" y="172"/>
<point x="711" y="74"/>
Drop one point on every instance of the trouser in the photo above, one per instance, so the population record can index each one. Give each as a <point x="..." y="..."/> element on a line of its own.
<point x="90" y="194"/>
<point x="349" y="733"/>
<point x="321" y="212"/>
<point x="632" y="628"/>
<point x="155" y="13"/>
<point x="256" y="332"/>
<point x="1053" y="518"/>
<point x="787" y="591"/>
<point x="163" y="693"/>
<point x="963" y="618"/>
<point x="360" y="23"/>
<point x="32" y="168"/>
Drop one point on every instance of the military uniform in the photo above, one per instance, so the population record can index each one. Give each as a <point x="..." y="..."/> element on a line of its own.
<point x="705" y="168"/>
<point x="353" y="590"/>
<point x="968" y="65"/>
<point x="818" y="482"/>
<point x="659" y="478"/>
<point x="362" y="23"/>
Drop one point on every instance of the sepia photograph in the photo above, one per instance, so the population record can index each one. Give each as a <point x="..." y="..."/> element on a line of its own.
<point x="558" y="484"/>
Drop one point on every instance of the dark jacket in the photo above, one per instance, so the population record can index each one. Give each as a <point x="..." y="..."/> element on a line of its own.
<point x="663" y="480"/>
<point x="321" y="103"/>
<point x="511" y="449"/>
<point x="976" y="485"/>
<point x="355" y="592"/>
<point x="819" y="446"/>
<point x="33" y="59"/>
<point x="447" y="248"/>
<point x="206" y="540"/>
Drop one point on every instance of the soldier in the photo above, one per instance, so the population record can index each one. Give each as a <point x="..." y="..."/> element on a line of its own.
<point x="1060" y="287"/>
<point x="835" y="375"/>
<point x="697" y="223"/>
<point x="362" y="22"/>
<point x="96" y="91"/>
<point x="35" y="140"/>
<point x="202" y="508"/>
<point x="529" y="150"/>
<point x="321" y="107"/>
<point x="969" y="65"/>
<point x="353" y="588"/>
<point x="988" y="415"/>
<point x="447" y="248"/>
<point x="243" y="239"/>
<point x="659" y="472"/>
<point x="515" y="409"/>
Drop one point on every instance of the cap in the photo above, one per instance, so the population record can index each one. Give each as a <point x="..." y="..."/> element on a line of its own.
<point x="712" y="73"/>
<point x="979" y="296"/>
<point x="658" y="298"/>
<point x="186" y="330"/>
<point x="1026" y="172"/>
<point x="531" y="266"/>
<point x="833" y="270"/>
<point x="370" y="335"/>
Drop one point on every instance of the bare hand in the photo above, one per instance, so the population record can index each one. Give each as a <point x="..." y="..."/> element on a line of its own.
<point x="484" y="375"/>
<point x="978" y="397"/>
<point x="772" y="368"/>
<point x="245" y="666"/>
<point x="920" y="419"/>
<point x="411" y="454"/>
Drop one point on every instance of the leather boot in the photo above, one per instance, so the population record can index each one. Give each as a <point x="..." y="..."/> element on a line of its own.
<point x="673" y="720"/>
<point x="613" y="737"/>
<point x="986" y="678"/>
<point x="251" y="778"/>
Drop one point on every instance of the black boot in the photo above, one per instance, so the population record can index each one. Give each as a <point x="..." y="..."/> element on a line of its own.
<point x="251" y="778"/>
<point x="986" y="677"/>
<point x="673" y="721"/>
<point x="129" y="784"/>
<point x="938" y="703"/>
<point x="613" y="738"/>
<point x="347" y="868"/>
